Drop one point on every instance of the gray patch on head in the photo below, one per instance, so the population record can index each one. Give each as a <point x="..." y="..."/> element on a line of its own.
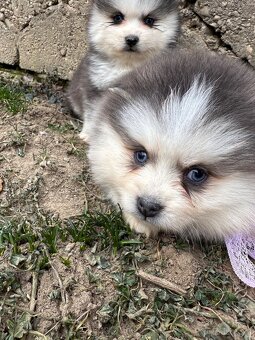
<point x="105" y="6"/>
<point x="163" y="8"/>
<point x="111" y="105"/>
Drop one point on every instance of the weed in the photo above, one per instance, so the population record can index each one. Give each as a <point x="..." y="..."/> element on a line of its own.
<point x="79" y="152"/>
<point x="42" y="158"/>
<point x="61" y="128"/>
<point x="109" y="229"/>
<point x="8" y="281"/>
<point x="72" y="329"/>
<point x="50" y="236"/>
<point x="81" y="232"/>
<point x="181" y="244"/>
<point x="12" y="98"/>
<point x="43" y="263"/>
<point x="66" y="261"/>
<point x="55" y="294"/>
<point x="19" y="326"/>
<point x="124" y="281"/>
<point x="214" y="290"/>
<point x="16" y="233"/>
<point x="91" y="276"/>
<point x="18" y="140"/>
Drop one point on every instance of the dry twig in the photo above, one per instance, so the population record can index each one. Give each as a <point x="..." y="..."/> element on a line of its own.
<point x="161" y="282"/>
<point x="61" y="286"/>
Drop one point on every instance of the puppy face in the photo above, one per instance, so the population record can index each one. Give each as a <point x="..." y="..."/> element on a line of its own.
<point x="177" y="152"/>
<point x="133" y="29"/>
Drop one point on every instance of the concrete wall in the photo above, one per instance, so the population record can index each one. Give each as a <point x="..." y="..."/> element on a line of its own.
<point x="49" y="36"/>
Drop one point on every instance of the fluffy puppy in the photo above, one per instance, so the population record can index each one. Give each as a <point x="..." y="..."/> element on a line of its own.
<point x="174" y="145"/>
<point x="121" y="35"/>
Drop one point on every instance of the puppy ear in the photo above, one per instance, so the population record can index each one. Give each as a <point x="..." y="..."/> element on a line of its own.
<point x="122" y="93"/>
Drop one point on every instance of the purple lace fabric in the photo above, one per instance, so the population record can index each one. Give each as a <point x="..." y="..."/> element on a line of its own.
<point x="241" y="249"/>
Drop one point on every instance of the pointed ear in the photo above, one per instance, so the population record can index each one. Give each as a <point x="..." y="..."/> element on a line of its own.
<point x="122" y="93"/>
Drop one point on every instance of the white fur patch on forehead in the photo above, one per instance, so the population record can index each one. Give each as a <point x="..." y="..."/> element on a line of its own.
<point x="183" y="126"/>
<point x="189" y="111"/>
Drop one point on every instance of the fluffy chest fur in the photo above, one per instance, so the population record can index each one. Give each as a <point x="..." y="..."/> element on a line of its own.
<point x="103" y="72"/>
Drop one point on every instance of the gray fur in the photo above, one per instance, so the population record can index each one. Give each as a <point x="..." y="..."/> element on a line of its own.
<point x="81" y="91"/>
<point x="165" y="6"/>
<point x="105" y="6"/>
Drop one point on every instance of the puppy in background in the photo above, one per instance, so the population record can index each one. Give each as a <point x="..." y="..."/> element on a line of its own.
<point x="176" y="149"/>
<point x="121" y="35"/>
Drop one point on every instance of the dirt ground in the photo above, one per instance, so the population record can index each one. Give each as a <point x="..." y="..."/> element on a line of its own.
<point x="85" y="290"/>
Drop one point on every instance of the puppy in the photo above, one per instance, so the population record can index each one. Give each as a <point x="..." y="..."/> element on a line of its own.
<point x="173" y="143"/>
<point x="121" y="35"/>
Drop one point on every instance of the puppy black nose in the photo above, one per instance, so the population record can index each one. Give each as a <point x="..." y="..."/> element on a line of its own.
<point x="148" y="207"/>
<point x="131" y="40"/>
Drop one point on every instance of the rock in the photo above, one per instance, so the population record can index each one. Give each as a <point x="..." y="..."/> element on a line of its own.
<point x="2" y="16"/>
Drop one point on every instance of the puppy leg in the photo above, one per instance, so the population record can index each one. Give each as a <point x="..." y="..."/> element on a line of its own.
<point x="86" y="128"/>
<point x="84" y="133"/>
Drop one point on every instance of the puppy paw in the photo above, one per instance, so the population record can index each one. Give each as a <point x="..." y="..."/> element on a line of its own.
<point x="84" y="136"/>
<point x="141" y="227"/>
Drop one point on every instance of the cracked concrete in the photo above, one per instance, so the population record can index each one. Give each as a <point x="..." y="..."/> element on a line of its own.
<point x="49" y="36"/>
<point x="234" y="22"/>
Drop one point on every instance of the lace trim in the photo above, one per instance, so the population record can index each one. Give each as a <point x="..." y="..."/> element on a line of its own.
<point x="240" y="249"/>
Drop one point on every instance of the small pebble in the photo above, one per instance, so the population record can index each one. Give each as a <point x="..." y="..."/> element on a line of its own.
<point x="63" y="52"/>
<point x="53" y="100"/>
<point x="249" y="49"/>
<point x="29" y="96"/>
<point x="205" y="11"/>
<point x="69" y="247"/>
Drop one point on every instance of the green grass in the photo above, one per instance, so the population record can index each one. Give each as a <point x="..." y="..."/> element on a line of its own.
<point x="30" y="245"/>
<point x="12" y="98"/>
<point x="108" y="229"/>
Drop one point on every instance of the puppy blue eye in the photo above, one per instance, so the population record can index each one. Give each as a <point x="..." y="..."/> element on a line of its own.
<point x="118" y="18"/>
<point x="196" y="176"/>
<point x="141" y="157"/>
<point x="149" y="21"/>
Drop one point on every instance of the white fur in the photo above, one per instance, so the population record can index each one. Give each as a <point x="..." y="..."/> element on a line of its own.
<point x="224" y="207"/>
<point x="105" y="72"/>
